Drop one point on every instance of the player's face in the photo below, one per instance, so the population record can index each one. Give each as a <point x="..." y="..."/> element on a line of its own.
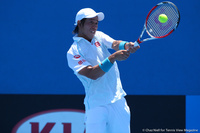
<point x="89" y="28"/>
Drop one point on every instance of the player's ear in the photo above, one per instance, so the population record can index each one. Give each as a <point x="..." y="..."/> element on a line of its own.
<point x="79" y="23"/>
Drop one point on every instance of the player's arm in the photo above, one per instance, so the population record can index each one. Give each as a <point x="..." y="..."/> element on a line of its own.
<point x="94" y="72"/>
<point x="128" y="46"/>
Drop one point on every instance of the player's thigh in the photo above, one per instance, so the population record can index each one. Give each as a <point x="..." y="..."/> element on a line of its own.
<point x="96" y="120"/>
<point x="119" y="120"/>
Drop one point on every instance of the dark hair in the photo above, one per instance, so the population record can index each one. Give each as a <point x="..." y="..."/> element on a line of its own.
<point x="76" y="29"/>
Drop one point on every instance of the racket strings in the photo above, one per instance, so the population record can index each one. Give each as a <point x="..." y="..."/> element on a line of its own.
<point x="157" y="29"/>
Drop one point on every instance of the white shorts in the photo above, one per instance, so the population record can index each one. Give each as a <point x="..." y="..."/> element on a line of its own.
<point x="111" y="118"/>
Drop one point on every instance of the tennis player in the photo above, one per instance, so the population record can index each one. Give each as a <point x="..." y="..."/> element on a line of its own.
<point x="89" y="58"/>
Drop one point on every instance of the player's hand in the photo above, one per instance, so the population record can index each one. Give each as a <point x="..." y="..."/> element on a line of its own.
<point x="130" y="47"/>
<point x="119" y="55"/>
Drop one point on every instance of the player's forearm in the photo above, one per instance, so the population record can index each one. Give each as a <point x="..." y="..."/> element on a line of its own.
<point x="92" y="72"/>
<point x="116" y="43"/>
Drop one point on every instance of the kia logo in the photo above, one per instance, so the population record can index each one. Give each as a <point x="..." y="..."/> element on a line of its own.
<point x="52" y="121"/>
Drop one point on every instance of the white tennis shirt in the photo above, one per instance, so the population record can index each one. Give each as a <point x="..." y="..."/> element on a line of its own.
<point x="106" y="89"/>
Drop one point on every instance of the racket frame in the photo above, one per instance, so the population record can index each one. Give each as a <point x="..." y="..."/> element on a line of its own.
<point x="145" y="25"/>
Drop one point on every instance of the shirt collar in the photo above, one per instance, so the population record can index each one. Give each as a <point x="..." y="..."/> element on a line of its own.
<point x="77" y="39"/>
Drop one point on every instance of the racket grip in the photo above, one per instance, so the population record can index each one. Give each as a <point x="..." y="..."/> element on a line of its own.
<point x="136" y="44"/>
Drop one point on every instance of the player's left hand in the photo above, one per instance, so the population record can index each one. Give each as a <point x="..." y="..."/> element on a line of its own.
<point x="130" y="47"/>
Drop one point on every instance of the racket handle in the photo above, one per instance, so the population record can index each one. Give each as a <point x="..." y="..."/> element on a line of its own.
<point x="136" y="44"/>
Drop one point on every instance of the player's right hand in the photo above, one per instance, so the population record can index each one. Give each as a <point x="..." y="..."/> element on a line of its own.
<point x="119" y="55"/>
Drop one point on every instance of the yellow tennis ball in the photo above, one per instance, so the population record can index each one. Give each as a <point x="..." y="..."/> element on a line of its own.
<point x="162" y="18"/>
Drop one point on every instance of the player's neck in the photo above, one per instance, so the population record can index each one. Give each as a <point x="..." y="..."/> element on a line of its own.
<point x="85" y="37"/>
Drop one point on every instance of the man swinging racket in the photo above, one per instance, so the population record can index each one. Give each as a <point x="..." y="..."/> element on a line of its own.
<point x="89" y="58"/>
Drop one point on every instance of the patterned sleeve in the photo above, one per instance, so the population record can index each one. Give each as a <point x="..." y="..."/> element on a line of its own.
<point x="75" y="61"/>
<point x="106" y="40"/>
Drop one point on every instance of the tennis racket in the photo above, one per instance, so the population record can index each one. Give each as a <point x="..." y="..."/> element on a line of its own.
<point x="154" y="28"/>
